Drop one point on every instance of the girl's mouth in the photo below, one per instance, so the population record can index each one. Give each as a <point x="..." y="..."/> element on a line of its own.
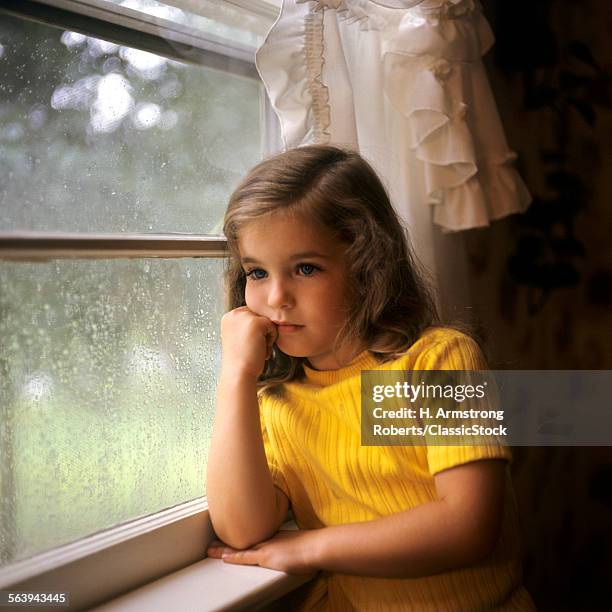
<point x="284" y="328"/>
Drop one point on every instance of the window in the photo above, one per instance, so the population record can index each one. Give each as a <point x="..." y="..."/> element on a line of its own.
<point x="103" y="137"/>
<point x="124" y="126"/>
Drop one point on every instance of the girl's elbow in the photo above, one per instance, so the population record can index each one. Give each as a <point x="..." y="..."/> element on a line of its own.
<point x="481" y="544"/>
<point x="239" y="541"/>
<point x="233" y="538"/>
<point x="235" y="534"/>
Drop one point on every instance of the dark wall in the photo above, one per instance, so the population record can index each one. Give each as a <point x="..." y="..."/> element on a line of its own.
<point x="542" y="282"/>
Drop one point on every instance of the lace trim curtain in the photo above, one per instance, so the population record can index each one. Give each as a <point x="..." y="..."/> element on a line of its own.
<point x="403" y="83"/>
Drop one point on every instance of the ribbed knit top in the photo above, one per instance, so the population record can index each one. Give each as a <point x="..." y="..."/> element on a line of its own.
<point x="323" y="378"/>
<point x="312" y="439"/>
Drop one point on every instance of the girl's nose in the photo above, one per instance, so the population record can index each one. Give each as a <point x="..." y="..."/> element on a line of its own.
<point x="280" y="295"/>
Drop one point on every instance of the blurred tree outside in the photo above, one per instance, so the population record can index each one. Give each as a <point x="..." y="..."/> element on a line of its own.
<point x="96" y="136"/>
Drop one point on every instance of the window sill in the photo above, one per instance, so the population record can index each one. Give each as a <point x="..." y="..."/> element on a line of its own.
<point x="210" y="584"/>
<point x="157" y="558"/>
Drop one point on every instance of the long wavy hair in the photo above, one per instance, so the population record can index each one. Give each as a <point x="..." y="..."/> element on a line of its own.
<point x="391" y="303"/>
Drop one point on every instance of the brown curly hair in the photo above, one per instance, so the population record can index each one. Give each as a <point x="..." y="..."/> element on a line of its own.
<point x="338" y="189"/>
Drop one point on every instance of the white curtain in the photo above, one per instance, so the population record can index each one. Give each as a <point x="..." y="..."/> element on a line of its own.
<point x="403" y="83"/>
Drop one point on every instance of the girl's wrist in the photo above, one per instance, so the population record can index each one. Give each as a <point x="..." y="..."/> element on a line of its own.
<point x="237" y="375"/>
<point x="314" y="549"/>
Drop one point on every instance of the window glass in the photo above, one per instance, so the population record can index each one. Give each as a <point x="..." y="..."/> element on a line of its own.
<point x="107" y="377"/>
<point x="100" y="137"/>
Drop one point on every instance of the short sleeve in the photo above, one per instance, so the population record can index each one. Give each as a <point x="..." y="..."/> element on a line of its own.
<point x="278" y="477"/>
<point x="449" y="349"/>
<point x="442" y="458"/>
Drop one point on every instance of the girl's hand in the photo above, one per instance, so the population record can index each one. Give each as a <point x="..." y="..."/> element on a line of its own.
<point x="246" y="340"/>
<point x="288" y="551"/>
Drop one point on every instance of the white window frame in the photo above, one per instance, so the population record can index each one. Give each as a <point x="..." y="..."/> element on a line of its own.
<point x="107" y="564"/>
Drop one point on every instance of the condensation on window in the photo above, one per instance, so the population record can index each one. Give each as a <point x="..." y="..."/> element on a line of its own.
<point x="100" y="137"/>
<point x="107" y="377"/>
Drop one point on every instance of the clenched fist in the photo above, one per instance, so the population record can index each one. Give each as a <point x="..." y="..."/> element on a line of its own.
<point x="246" y="341"/>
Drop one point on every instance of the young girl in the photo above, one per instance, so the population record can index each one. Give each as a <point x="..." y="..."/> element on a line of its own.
<point x="322" y="285"/>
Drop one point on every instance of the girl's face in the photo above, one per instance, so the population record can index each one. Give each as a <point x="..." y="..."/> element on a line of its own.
<point x="297" y="278"/>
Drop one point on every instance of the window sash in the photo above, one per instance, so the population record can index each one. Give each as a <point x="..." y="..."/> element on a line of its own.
<point x="147" y="33"/>
<point x="42" y="246"/>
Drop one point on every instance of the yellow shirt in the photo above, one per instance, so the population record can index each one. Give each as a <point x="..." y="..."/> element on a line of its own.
<point x="312" y="438"/>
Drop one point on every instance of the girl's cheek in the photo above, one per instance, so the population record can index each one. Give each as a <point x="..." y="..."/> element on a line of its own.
<point x="252" y="299"/>
<point x="248" y="296"/>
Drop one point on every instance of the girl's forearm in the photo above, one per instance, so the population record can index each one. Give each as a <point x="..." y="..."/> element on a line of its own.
<point x="238" y="471"/>
<point x="426" y="540"/>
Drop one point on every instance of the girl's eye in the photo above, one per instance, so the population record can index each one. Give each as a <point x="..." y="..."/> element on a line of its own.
<point x="256" y="273"/>
<point x="307" y="269"/>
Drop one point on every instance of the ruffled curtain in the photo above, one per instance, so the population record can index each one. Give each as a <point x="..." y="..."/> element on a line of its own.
<point x="403" y="83"/>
